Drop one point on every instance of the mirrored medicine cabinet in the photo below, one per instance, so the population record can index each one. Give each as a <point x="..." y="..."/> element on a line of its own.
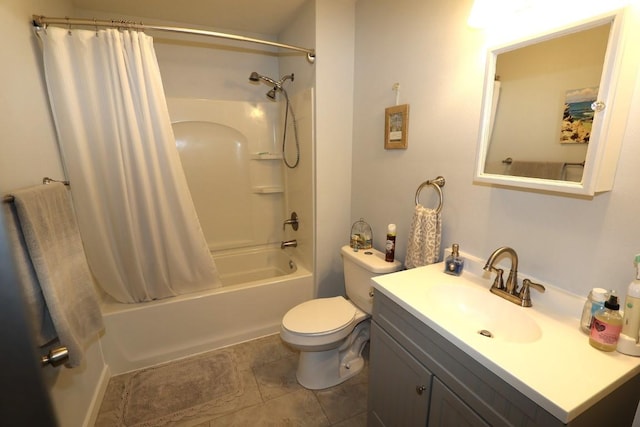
<point x="549" y="121"/>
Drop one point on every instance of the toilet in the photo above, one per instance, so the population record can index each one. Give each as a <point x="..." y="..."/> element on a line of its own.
<point x="331" y="332"/>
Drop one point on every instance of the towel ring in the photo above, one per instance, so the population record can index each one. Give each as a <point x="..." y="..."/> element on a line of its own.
<point x="437" y="183"/>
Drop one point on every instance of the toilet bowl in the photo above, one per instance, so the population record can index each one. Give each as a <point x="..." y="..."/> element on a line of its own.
<point x="332" y="332"/>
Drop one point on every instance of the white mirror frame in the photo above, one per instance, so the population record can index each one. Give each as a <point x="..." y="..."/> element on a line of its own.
<point x="608" y="125"/>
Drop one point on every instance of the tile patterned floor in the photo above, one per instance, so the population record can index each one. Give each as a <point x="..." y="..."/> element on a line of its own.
<point x="271" y="396"/>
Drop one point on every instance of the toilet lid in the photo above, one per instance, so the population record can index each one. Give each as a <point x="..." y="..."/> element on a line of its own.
<point x="319" y="316"/>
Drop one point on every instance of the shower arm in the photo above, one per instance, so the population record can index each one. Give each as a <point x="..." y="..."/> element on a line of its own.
<point x="255" y="77"/>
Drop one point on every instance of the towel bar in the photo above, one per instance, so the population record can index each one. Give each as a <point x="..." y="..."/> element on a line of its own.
<point x="437" y="183"/>
<point x="509" y="160"/>
<point x="56" y="357"/>
<point x="46" y="180"/>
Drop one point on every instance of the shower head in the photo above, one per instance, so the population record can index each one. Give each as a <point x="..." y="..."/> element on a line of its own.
<point x="255" y="77"/>
<point x="272" y="94"/>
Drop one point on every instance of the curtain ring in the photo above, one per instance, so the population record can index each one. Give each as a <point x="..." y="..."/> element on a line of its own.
<point x="68" y="25"/>
<point x="95" y="24"/>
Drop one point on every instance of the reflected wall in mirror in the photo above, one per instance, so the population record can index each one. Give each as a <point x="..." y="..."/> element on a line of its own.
<point x="531" y="95"/>
<point x="529" y="137"/>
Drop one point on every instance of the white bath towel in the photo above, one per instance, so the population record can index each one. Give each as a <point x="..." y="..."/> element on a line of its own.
<point x="424" y="238"/>
<point x="42" y="327"/>
<point x="52" y="238"/>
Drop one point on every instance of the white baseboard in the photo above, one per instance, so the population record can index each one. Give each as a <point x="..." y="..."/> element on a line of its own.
<point x="98" y="395"/>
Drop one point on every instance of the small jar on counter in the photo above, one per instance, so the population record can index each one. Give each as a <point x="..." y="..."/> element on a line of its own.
<point x="454" y="263"/>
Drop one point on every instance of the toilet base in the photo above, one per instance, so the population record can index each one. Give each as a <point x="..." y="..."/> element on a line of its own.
<point x="323" y="369"/>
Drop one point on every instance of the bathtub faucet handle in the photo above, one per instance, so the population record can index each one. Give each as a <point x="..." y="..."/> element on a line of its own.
<point x="293" y="221"/>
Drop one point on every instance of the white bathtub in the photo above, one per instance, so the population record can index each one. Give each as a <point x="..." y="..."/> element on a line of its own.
<point x="259" y="286"/>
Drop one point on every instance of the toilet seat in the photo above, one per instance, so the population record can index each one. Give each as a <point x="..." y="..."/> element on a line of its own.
<point x="321" y="316"/>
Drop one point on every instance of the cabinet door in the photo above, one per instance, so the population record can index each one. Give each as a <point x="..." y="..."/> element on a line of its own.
<point x="447" y="409"/>
<point x="399" y="386"/>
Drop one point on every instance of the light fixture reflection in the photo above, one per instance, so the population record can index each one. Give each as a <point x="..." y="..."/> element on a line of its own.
<point x="256" y="112"/>
<point x="496" y="15"/>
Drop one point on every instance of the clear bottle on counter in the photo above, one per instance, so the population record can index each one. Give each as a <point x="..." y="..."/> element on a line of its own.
<point x="629" y="341"/>
<point x="606" y="326"/>
<point x="595" y="302"/>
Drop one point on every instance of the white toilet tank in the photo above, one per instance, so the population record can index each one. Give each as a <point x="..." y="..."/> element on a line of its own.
<point x="359" y="268"/>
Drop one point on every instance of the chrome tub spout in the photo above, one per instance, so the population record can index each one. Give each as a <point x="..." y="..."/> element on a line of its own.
<point x="289" y="244"/>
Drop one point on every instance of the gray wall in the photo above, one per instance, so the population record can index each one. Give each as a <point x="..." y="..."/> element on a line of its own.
<point x="427" y="47"/>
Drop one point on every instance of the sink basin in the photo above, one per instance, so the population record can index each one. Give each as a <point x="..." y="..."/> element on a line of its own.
<point x="479" y="311"/>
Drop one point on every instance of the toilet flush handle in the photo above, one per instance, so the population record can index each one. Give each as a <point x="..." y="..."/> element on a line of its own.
<point x="371" y="292"/>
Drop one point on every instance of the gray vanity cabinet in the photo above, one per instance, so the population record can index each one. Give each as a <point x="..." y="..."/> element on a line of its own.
<point x="419" y="378"/>
<point x="448" y="410"/>
<point x="399" y="392"/>
<point x="404" y="393"/>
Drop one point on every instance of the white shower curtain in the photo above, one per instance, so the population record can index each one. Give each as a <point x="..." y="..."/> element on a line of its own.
<point x="138" y="223"/>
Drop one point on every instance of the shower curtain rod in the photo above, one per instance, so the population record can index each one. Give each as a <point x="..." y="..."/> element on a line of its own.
<point x="43" y="21"/>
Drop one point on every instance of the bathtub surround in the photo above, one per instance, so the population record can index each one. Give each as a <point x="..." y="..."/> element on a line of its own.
<point x="140" y="230"/>
<point x="233" y="166"/>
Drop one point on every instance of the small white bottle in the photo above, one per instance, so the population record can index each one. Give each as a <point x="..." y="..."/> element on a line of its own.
<point x="629" y="341"/>
<point x="595" y="302"/>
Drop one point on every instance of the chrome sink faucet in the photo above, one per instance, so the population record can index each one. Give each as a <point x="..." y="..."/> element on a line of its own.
<point x="512" y="280"/>
<point x="509" y="290"/>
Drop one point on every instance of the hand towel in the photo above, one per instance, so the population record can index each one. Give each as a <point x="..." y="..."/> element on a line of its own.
<point x="42" y="327"/>
<point x="424" y="237"/>
<point x="544" y="170"/>
<point x="52" y="238"/>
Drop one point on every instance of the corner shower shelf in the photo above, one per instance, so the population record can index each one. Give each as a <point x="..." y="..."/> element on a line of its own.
<point x="267" y="189"/>
<point x="266" y="156"/>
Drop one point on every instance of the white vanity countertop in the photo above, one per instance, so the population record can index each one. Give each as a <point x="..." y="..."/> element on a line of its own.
<point x="558" y="370"/>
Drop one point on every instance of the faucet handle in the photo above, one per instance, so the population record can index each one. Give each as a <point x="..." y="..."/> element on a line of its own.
<point x="293" y="221"/>
<point x="525" y="295"/>
<point x="498" y="283"/>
